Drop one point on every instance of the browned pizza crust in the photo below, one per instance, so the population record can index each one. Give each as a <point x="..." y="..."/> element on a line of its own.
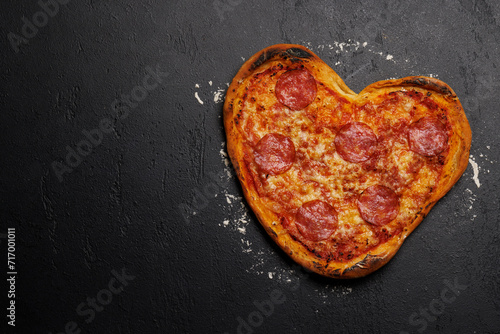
<point x="288" y="54"/>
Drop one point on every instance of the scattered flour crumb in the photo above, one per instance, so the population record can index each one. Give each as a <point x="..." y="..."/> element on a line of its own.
<point x="238" y="216"/>
<point x="219" y="95"/>
<point x="475" y="168"/>
<point x="338" y="291"/>
<point x="223" y="154"/>
<point x="470" y="200"/>
<point x="348" y="47"/>
<point x="198" y="98"/>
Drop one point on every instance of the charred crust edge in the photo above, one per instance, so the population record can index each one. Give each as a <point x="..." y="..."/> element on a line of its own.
<point x="367" y="263"/>
<point x="265" y="56"/>
<point x="299" y="53"/>
<point x="293" y="53"/>
<point x="423" y="82"/>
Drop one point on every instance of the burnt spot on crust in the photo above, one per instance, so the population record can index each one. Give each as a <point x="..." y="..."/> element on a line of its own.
<point x="335" y="273"/>
<point x="299" y="53"/>
<point x="265" y="56"/>
<point x="323" y="270"/>
<point x="423" y="82"/>
<point x="368" y="262"/>
<point x="271" y="232"/>
<point x="292" y="53"/>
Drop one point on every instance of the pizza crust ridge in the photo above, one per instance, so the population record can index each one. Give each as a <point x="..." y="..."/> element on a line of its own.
<point x="291" y="55"/>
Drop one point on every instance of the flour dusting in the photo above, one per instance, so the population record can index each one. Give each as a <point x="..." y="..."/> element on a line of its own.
<point x="338" y="290"/>
<point x="217" y="91"/>
<point x="237" y="213"/>
<point x="350" y="46"/>
<point x="198" y="98"/>
<point x="478" y="164"/>
<point x="219" y="95"/>
<point x="475" y="168"/>
<point x="471" y="198"/>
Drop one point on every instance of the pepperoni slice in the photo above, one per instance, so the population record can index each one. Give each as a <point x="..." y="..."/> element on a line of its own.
<point x="316" y="220"/>
<point x="296" y="89"/>
<point x="378" y="205"/>
<point x="356" y="142"/>
<point x="274" y="153"/>
<point x="428" y="136"/>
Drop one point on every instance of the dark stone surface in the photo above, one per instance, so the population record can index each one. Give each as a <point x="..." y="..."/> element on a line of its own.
<point x="128" y="200"/>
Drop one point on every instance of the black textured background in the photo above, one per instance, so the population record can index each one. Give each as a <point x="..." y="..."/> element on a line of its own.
<point x="156" y="199"/>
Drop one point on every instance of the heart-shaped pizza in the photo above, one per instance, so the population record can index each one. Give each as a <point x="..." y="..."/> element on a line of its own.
<point x="340" y="179"/>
